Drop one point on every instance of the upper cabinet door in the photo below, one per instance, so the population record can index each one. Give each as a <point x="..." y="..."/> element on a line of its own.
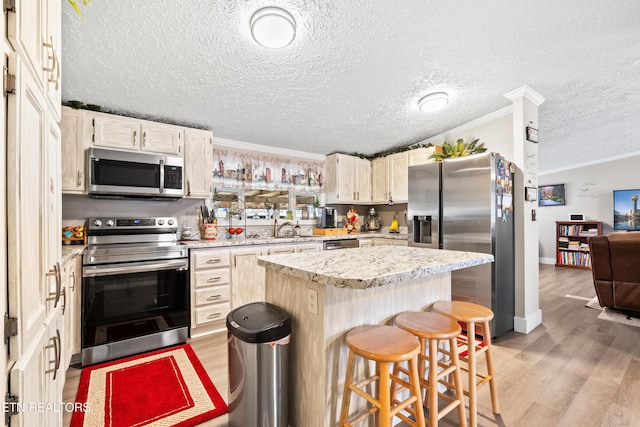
<point x="346" y="177"/>
<point x="116" y="132"/>
<point x="363" y="181"/>
<point x="399" y="177"/>
<point x="420" y="156"/>
<point x="380" y="180"/>
<point x="26" y="32"/>
<point x="198" y="163"/>
<point x="161" y="138"/>
<point x="52" y="61"/>
<point x="74" y="141"/>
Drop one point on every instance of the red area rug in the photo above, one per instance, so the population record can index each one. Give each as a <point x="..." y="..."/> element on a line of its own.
<point x="167" y="387"/>
<point x="463" y="347"/>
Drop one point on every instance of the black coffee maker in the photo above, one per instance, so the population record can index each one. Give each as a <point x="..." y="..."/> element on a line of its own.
<point x="327" y="218"/>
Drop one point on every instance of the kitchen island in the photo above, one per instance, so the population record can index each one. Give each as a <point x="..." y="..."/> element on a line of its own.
<point x="328" y="293"/>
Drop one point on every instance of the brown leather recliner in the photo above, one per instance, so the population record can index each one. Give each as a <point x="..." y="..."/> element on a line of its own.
<point x="615" y="264"/>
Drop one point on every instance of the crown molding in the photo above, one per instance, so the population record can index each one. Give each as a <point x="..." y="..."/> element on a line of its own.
<point x="591" y="163"/>
<point x="525" y="92"/>
<point x="282" y="152"/>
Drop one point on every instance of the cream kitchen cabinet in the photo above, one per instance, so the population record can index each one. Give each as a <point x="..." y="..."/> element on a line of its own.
<point x="210" y="290"/>
<point x="53" y="46"/>
<point x="365" y="242"/>
<point x="247" y="277"/>
<point x="348" y="179"/>
<point x="398" y="177"/>
<point x="420" y="156"/>
<point x="223" y="279"/>
<point x="75" y="140"/>
<point x="38" y="377"/>
<point x="33" y="206"/>
<point x="281" y="249"/>
<point x="71" y="282"/>
<point x="198" y="162"/>
<point x="389" y="178"/>
<point x="380" y="180"/>
<point x="33" y="29"/>
<point x="309" y="247"/>
<point x="388" y="242"/>
<point x="125" y="133"/>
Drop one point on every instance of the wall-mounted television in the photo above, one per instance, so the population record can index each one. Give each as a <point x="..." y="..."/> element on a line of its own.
<point x="626" y="212"/>
<point x="551" y="195"/>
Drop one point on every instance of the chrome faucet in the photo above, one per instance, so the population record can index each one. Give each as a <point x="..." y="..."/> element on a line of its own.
<point x="281" y="226"/>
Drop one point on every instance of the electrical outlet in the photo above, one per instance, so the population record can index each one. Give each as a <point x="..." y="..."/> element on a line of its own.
<point x="312" y="301"/>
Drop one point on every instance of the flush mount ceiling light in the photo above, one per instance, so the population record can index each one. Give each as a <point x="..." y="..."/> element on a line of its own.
<point x="273" y="27"/>
<point x="433" y="102"/>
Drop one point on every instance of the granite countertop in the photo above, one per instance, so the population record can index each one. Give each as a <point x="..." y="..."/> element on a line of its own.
<point x="69" y="251"/>
<point x="242" y="241"/>
<point x="371" y="266"/>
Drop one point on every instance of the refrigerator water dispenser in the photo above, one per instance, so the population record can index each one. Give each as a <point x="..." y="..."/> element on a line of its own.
<point x="422" y="229"/>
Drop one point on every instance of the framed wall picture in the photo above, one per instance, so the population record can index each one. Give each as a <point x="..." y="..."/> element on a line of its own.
<point x="532" y="134"/>
<point x="551" y="195"/>
<point x="530" y="194"/>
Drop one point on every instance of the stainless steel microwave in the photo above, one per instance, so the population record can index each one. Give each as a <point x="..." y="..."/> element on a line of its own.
<point x="123" y="175"/>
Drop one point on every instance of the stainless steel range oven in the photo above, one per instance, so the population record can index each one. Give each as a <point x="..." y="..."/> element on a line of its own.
<point x="135" y="288"/>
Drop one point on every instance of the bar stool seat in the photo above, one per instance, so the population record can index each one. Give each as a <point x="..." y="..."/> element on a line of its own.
<point x="472" y="314"/>
<point x="432" y="329"/>
<point x="384" y="345"/>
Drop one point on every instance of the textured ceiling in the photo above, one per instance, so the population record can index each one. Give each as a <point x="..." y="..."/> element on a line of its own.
<point x="351" y="79"/>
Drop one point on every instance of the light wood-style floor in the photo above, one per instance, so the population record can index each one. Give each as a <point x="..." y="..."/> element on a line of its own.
<point x="573" y="370"/>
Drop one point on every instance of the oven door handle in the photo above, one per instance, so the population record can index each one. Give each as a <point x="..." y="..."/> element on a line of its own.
<point x="134" y="267"/>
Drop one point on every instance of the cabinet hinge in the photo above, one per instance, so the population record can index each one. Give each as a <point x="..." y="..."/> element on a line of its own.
<point x="9" y="5"/>
<point x="9" y="82"/>
<point x="93" y="125"/>
<point x="10" y="327"/>
<point x="10" y="407"/>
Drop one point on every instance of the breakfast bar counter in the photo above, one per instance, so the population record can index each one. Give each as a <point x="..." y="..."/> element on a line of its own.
<point x="328" y="293"/>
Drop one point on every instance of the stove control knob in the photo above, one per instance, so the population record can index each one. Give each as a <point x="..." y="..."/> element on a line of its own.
<point x="97" y="223"/>
<point x="170" y="222"/>
<point x="161" y="222"/>
<point x="109" y="223"/>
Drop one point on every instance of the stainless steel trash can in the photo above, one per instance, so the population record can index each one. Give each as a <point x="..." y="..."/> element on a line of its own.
<point x="259" y="335"/>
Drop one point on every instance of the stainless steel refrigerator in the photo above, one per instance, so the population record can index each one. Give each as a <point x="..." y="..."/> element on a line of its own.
<point x="466" y="204"/>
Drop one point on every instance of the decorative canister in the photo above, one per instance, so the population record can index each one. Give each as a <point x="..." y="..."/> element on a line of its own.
<point x="210" y="231"/>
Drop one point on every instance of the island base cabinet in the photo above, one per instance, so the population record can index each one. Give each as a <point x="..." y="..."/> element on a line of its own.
<point x="321" y="330"/>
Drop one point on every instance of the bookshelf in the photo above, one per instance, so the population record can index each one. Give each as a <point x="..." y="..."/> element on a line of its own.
<point x="572" y="243"/>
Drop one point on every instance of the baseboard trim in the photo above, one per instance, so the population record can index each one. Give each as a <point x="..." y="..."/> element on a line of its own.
<point x="550" y="261"/>
<point x="524" y="325"/>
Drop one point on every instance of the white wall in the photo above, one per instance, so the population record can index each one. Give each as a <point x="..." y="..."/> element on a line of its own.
<point x="589" y="190"/>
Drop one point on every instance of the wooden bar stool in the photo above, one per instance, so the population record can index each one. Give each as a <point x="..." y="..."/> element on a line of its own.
<point x="432" y="329"/>
<point x="472" y="314"/>
<point x="383" y="345"/>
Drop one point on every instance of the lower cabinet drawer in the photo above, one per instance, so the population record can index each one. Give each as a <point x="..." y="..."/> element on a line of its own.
<point x="212" y="295"/>
<point x="213" y="277"/>
<point x="212" y="313"/>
